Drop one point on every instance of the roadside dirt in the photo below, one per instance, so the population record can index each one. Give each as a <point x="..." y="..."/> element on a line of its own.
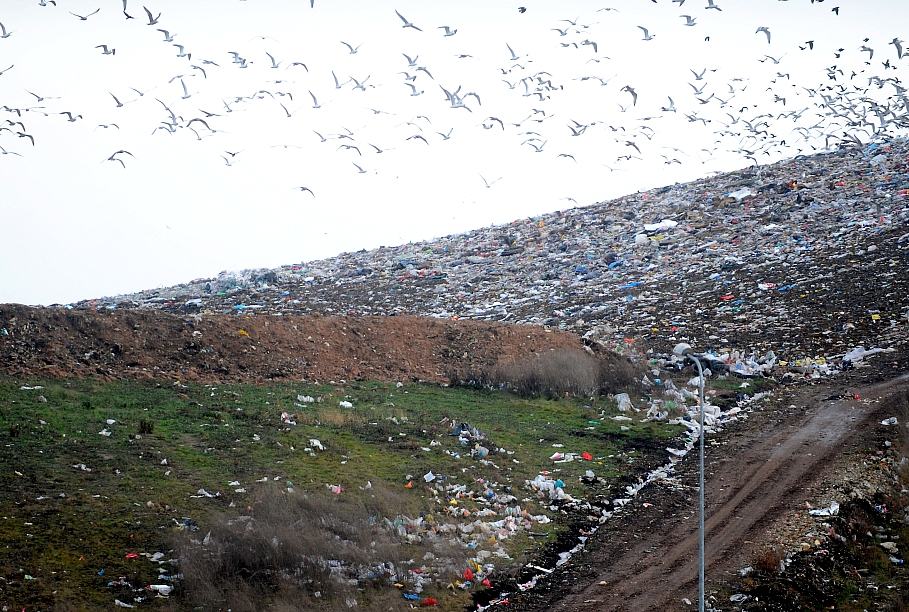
<point x="758" y="474"/>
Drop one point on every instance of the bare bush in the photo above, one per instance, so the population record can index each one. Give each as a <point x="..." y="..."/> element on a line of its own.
<point x="294" y="552"/>
<point x="556" y="374"/>
<point x="767" y="561"/>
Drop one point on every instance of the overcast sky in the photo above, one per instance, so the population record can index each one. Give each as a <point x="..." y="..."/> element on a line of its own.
<point x="77" y="225"/>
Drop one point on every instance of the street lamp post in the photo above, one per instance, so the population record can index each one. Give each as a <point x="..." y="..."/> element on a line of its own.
<point x="684" y="350"/>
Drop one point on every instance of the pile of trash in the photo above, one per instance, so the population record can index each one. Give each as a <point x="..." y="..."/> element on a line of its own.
<point x="801" y="259"/>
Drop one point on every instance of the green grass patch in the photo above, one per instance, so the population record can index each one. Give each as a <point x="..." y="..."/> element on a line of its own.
<point x="76" y="501"/>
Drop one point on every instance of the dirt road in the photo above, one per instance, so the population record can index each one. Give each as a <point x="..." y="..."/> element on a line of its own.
<point x="755" y="474"/>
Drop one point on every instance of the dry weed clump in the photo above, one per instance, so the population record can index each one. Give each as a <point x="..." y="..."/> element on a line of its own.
<point x="768" y="562"/>
<point x="291" y="552"/>
<point x="338" y="418"/>
<point x="557" y="374"/>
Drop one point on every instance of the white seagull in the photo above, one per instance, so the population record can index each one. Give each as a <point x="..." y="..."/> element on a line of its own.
<point x="407" y="24"/>
<point x="488" y="184"/>
<point x="352" y="49"/>
<point x="647" y="35"/>
<point x="85" y="18"/>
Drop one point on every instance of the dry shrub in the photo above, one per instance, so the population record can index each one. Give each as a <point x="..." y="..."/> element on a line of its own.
<point x="766" y="562"/>
<point x="337" y="417"/>
<point x="293" y="552"/>
<point x="558" y="373"/>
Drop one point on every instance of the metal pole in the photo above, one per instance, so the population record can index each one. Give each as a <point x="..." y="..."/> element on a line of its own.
<point x="700" y="488"/>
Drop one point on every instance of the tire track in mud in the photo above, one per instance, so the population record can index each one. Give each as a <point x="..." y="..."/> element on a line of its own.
<point x="649" y="561"/>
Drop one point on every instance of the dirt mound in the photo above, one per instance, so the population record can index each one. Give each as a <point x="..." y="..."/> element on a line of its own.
<point x="142" y="344"/>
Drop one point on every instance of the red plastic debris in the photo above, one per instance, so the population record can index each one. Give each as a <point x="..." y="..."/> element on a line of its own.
<point x="587" y="456"/>
<point x="468" y="575"/>
<point x="429" y="601"/>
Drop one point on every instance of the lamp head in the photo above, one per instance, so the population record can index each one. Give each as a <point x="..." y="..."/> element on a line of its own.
<point x="681" y="349"/>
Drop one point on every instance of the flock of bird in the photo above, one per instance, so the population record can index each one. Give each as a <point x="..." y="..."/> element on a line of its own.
<point x="850" y="105"/>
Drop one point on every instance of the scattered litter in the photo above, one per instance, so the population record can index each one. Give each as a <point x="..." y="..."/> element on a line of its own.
<point x="831" y="510"/>
<point x="624" y="402"/>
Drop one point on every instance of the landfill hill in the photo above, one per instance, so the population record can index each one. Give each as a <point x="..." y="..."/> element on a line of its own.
<point x="795" y="270"/>
<point x="792" y="264"/>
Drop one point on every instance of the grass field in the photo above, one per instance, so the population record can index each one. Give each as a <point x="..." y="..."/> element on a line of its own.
<point x="95" y="471"/>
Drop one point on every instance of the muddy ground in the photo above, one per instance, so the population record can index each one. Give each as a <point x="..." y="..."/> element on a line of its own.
<point x="812" y="442"/>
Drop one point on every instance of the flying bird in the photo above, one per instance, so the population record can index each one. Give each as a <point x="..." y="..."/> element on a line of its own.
<point x="5" y="152"/>
<point x="85" y="18"/>
<point x="113" y="157"/>
<point x="413" y="89"/>
<point x="899" y="49"/>
<point x="407" y="24"/>
<point x="167" y="35"/>
<point x="690" y="20"/>
<point x="41" y="98"/>
<point x="152" y="20"/>
<point x="711" y="5"/>
<point x="488" y="184"/>
<point x="352" y="49"/>
<point x="448" y="31"/>
<point x="306" y="189"/>
<point x="647" y="35"/>
<point x="4" y="34"/>
<point x="766" y="31"/>
<point x="634" y="95"/>
<point x="315" y="104"/>
<point x="273" y="63"/>
<point x="105" y="50"/>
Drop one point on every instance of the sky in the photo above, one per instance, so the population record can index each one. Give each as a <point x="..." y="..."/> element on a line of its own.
<point x="189" y="199"/>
